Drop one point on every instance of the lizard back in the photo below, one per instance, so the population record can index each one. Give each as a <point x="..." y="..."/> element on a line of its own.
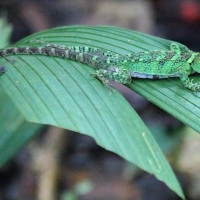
<point x="154" y="64"/>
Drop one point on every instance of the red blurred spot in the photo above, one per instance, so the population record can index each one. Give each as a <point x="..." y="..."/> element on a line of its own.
<point x="189" y="11"/>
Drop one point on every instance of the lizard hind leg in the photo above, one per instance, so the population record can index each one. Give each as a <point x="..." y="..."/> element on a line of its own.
<point x="113" y="73"/>
<point x="187" y="82"/>
<point x="175" y="48"/>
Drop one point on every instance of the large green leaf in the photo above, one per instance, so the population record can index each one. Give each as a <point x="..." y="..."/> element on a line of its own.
<point x="60" y="92"/>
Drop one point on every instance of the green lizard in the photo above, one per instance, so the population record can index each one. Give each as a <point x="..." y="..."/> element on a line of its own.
<point x="121" y="68"/>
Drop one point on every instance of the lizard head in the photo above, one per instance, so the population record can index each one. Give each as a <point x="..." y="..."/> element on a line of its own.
<point x="195" y="65"/>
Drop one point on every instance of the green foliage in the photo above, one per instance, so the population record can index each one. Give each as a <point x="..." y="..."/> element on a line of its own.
<point x="15" y="131"/>
<point x="6" y="30"/>
<point x="60" y="92"/>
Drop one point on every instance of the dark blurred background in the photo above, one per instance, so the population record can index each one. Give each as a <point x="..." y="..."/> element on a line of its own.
<point x="58" y="164"/>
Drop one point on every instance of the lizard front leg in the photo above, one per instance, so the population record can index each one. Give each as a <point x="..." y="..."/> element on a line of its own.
<point x="186" y="81"/>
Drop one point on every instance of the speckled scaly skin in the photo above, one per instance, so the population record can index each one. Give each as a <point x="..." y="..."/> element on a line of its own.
<point x="149" y="64"/>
